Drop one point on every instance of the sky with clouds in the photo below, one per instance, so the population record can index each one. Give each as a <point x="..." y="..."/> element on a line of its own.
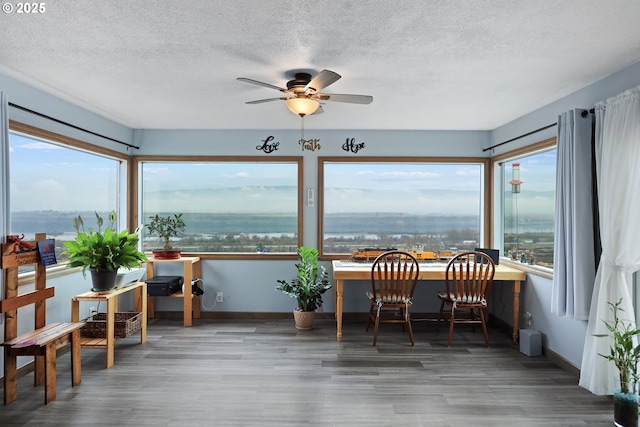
<point x="49" y="177"/>
<point x="45" y="176"/>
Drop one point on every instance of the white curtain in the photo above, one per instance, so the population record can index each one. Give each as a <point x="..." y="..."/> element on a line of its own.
<point x="618" y="172"/>
<point x="573" y="266"/>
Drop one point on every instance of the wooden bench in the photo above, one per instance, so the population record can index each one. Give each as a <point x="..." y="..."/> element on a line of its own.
<point x="44" y="341"/>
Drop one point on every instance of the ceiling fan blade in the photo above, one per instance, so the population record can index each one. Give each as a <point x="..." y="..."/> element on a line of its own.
<point x="337" y="97"/>
<point x="256" y="82"/>
<point x="322" y="80"/>
<point x="318" y="111"/>
<point x="260" y="101"/>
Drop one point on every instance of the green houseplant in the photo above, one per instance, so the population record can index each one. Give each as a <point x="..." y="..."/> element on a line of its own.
<point x="625" y="354"/>
<point x="103" y="253"/>
<point x="307" y="287"/>
<point x="166" y="227"/>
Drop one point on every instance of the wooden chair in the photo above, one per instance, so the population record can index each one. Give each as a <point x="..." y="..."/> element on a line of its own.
<point x="394" y="276"/>
<point x="468" y="279"/>
<point x="44" y="341"/>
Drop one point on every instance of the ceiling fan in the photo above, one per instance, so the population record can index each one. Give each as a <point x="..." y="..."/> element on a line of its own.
<point x="303" y="92"/>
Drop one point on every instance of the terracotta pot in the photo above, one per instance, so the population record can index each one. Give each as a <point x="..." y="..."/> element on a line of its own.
<point x="304" y="319"/>
<point x="103" y="280"/>
<point x="166" y="253"/>
<point x="625" y="409"/>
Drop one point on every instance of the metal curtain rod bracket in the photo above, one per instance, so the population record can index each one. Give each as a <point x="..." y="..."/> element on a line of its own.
<point x="71" y="125"/>
<point x="584" y="113"/>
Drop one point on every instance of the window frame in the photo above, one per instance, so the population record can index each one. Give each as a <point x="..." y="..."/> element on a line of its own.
<point x="124" y="193"/>
<point x="299" y="160"/>
<point x="497" y="196"/>
<point x="486" y="206"/>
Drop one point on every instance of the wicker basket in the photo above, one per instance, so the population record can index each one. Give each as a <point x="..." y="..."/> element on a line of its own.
<point x="125" y="325"/>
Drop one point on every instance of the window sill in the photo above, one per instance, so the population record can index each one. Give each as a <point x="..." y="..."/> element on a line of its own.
<point x="239" y="256"/>
<point x="528" y="268"/>
<point x="52" y="272"/>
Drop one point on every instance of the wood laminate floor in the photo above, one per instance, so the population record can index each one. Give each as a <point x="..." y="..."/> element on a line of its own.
<point x="266" y="373"/>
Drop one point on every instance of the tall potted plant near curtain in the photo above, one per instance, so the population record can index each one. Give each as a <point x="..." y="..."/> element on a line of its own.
<point x="307" y="287"/>
<point x="625" y="354"/>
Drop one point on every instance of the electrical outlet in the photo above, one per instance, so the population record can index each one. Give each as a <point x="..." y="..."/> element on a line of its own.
<point x="528" y="319"/>
<point x="93" y="311"/>
<point x="219" y="297"/>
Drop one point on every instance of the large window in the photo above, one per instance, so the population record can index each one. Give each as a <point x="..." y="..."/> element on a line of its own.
<point x="51" y="182"/>
<point x="412" y="204"/>
<point x="528" y="203"/>
<point x="236" y="205"/>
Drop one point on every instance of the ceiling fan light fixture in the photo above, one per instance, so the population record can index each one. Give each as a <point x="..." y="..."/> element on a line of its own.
<point x="302" y="106"/>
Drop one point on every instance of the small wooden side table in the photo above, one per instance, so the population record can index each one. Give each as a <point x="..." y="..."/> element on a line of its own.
<point x="191" y="303"/>
<point x="111" y="298"/>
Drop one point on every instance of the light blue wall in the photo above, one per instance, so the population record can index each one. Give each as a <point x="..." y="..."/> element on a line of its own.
<point x="377" y="143"/>
<point x="34" y="99"/>
<point x="584" y="98"/>
<point x="248" y="285"/>
<point x="561" y="335"/>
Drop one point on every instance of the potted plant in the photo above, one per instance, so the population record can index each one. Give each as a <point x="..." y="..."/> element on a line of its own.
<point x="625" y="354"/>
<point x="103" y="253"/>
<point x="307" y="287"/>
<point x="166" y="227"/>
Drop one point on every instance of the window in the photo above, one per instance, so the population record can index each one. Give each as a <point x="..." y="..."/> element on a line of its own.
<point x="528" y="203"/>
<point x="411" y="204"/>
<point x="241" y="205"/>
<point x="52" y="182"/>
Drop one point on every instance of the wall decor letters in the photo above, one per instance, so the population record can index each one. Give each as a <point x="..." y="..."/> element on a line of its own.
<point x="310" y="144"/>
<point x="350" y="145"/>
<point x="268" y="146"/>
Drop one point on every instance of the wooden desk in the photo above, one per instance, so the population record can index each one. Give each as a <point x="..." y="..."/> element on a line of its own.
<point x="111" y="298"/>
<point x="345" y="270"/>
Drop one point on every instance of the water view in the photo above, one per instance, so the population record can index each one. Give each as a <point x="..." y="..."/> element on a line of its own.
<point x="343" y="233"/>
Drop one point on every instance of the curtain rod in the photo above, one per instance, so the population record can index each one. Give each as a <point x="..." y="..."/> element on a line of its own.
<point x="583" y="114"/>
<point x="521" y="136"/>
<point x="71" y="125"/>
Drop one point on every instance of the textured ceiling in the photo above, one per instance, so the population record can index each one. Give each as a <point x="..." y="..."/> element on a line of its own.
<point x="469" y="64"/>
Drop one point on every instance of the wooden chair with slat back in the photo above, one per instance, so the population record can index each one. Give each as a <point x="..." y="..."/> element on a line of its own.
<point x="44" y="341"/>
<point x="394" y="275"/>
<point x="468" y="279"/>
